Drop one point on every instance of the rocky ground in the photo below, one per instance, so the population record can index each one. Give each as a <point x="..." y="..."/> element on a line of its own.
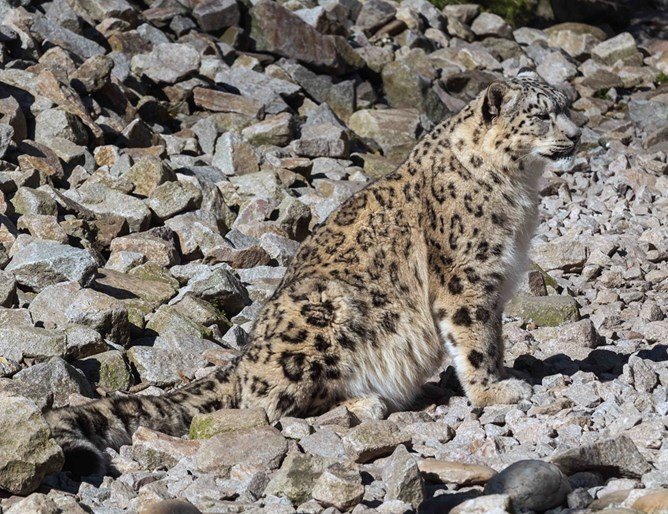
<point x="159" y="166"/>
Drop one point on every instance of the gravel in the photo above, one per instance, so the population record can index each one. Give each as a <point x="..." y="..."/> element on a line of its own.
<point x="160" y="164"/>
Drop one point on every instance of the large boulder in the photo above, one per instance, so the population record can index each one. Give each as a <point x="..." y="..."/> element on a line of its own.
<point x="27" y="453"/>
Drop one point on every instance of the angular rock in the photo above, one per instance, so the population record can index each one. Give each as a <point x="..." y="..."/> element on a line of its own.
<point x="59" y="123"/>
<point x="339" y="486"/>
<point x="544" y="311"/>
<point x="17" y="342"/>
<point x="27" y="454"/>
<point x="156" y="249"/>
<point x="147" y="174"/>
<point x="172" y="198"/>
<point x="297" y="477"/>
<point x="616" y="455"/>
<point x="167" y="62"/>
<point x="103" y="200"/>
<point x="322" y="140"/>
<point x="274" y="130"/>
<point x="214" y="15"/>
<point x="262" y="447"/>
<point x="560" y="253"/>
<point x="154" y="450"/>
<point x="205" y="426"/>
<point x="488" y="24"/>
<point x="446" y="472"/>
<point x="34" y="201"/>
<point x="233" y="156"/>
<point x="51" y="31"/>
<point x="220" y="101"/>
<point x="402" y="478"/>
<point x="56" y="377"/>
<point x="108" y="370"/>
<point x="490" y="503"/>
<point x="277" y="30"/>
<point x="7" y="289"/>
<point x="619" y="47"/>
<point x="374" y="439"/>
<point x="374" y="14"/>
<point x="390" y="128"/>
<point x="40" y="264"/>
<point x="575" y="339"/>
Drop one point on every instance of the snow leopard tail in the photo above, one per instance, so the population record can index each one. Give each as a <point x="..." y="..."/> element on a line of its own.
<point x="84" y="431"/>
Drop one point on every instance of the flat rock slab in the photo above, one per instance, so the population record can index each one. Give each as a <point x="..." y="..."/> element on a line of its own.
<point x="610" y="456"/>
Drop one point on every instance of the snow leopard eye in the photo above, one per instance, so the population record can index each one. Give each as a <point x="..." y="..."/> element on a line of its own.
<point x="542" y="115"/>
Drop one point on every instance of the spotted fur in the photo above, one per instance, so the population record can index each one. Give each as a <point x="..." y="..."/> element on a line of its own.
<point x="418" y="263"/>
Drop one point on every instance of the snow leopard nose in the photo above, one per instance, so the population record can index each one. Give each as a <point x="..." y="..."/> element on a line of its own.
<point x="574" y="136"/>
<point x="570" y="129"/>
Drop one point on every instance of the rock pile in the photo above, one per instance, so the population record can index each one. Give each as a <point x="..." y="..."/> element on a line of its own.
<point x="158" y="168"/>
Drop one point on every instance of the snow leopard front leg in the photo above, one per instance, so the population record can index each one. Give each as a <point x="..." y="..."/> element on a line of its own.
<point x="470" y="328"/>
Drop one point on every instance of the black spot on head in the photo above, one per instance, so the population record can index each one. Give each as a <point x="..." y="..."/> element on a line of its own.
<point x="321" y="343"/>
<point x="475" y="358"/>
<point x="462" y="317"/>
<point x="482" y="314"/>
<point x="455" y="285"/>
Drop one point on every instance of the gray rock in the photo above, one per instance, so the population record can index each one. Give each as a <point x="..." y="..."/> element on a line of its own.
<point x="233" y="156"/>
<point x="531" y="484"/>
<point x="103" y="200"/>
<point x="324" y="443"/>
<point x="339" y="486"/>
<point x="497" y="503"/>
<point x="34" y="201"/>
<point x="560" y="253"/>
<point x="167" y="62"/>
<point x="465" y="13"/>
<point x="322" y="140"/>
<point x="51" y="31"/>
<point x="222" y="289"/>
<point x="40" y="264"/>
<point x="556" y="69"/>
<point x="575" y="339"/>
<point x="172" y="198"/>
<point x="279" y="31"/>
<point x="108" y="370"/>
<point x="64" y="303"/>
<point x="617" y="455"/>
<point x="374" y="14"/>
<point x="6" y="135"/>
<point x="297" y="477"/>
<point x="274" y="130"/>
<point x="205" y="426"/>
<point x="488" y="24"/>
<point x="263" y="447"/>
<point x="619" y="47"/>
<point x="544" y="311"/>
<point x="390" y="128"/>
<point x="403" y="480"/>
<point x="374" y="439"/>
<point x="17" y="342"/>
<point x="8" y="285"/>
<point x="213" y="15"/>
<point x="155" y="450"/>
<point x="56" y="377"/>
<point x="147" y="174"/>
<point x="27" y="454"/>
<point x="59" y="123"/>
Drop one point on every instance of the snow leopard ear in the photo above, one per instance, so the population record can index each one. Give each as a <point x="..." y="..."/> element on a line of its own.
<point x="495" y="96"/>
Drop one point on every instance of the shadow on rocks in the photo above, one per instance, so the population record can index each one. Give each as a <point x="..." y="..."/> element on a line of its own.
<point x="605" y="364"/>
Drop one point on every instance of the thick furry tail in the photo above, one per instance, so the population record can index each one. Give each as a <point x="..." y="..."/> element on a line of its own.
<point x="84" y="431"/>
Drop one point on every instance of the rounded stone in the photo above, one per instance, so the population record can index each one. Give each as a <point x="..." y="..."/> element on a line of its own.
<point x="170" y="507"/>
<point x="531" y="484"/>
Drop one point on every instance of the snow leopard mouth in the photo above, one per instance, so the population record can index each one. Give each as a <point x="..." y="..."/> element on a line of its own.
<point x="561" y="153"/>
